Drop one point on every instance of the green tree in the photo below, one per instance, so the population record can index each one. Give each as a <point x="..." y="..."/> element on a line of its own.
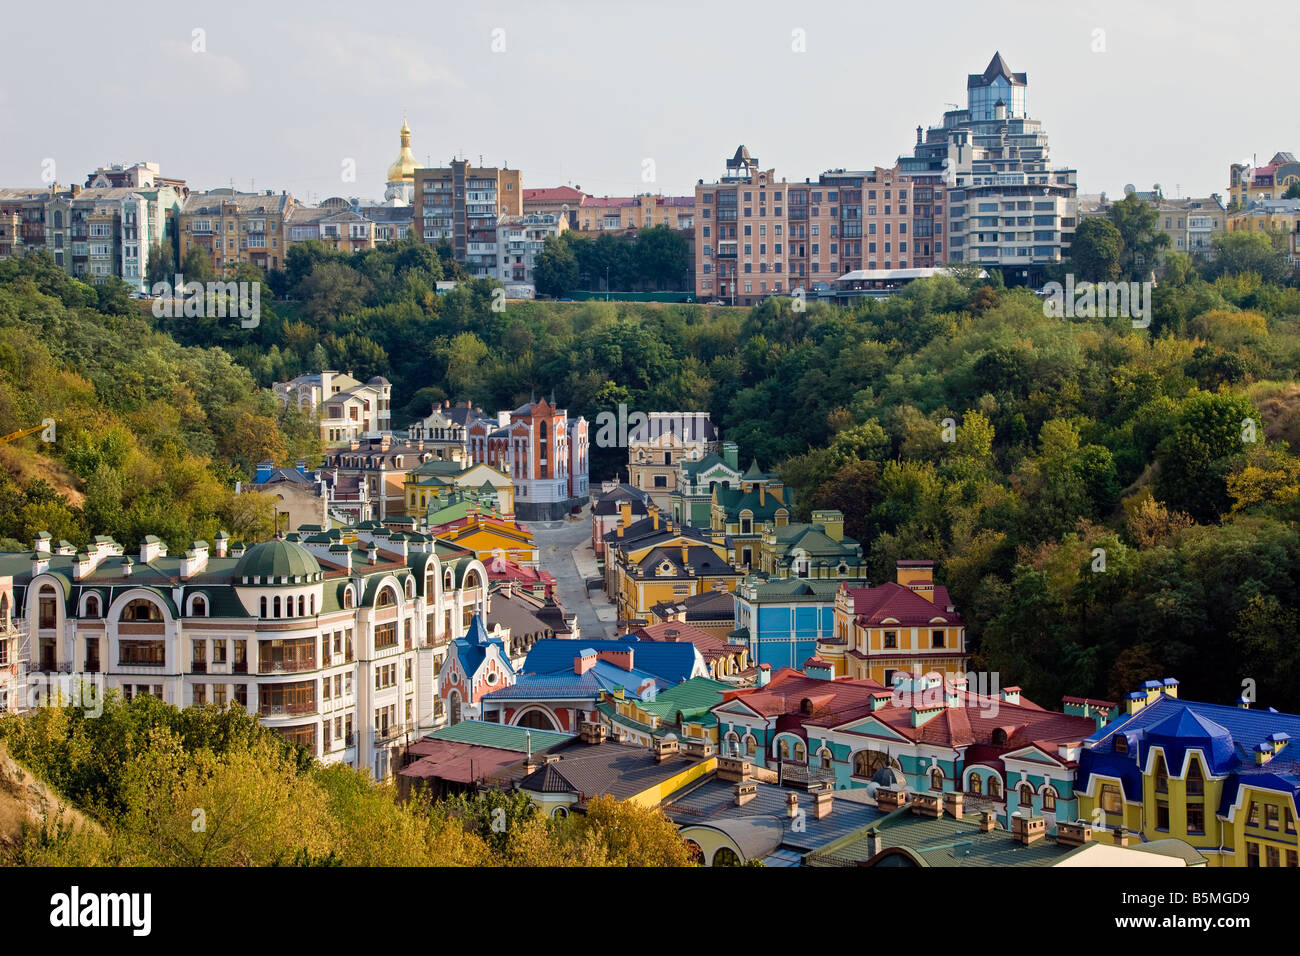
<point x="1138" y="226"/>
<point x="1096" y="250"/>
<point x="555" y="272"/>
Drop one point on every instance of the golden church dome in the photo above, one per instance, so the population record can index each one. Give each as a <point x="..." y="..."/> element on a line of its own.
<point x="403" y="170"/>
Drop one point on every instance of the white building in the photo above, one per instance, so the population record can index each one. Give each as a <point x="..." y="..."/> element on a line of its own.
<point x="335" y="639"/>
<point x="347" y="408"/>
<point x="520" y="240"/>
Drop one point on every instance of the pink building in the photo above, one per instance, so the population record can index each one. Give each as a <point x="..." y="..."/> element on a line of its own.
<point x="757" y="235"/>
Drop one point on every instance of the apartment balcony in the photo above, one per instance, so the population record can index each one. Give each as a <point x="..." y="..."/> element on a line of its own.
<point x="726" y="252"/>
<point x="199" y="667"/>
<point x="285" y="667"/>
<point x="287" y="710"/>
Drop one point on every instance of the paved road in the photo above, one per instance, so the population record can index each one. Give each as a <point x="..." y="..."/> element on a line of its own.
<point x="565" y="551"/>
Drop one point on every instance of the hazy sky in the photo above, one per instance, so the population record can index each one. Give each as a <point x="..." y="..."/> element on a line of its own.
<point x="586" y="92"/>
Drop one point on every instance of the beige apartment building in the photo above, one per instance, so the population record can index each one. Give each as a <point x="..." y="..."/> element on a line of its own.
<point x="620" y="213"/>
<point x="462" y="204"/>
<point x="759" y="236"/>
<point x="236" y="227"/>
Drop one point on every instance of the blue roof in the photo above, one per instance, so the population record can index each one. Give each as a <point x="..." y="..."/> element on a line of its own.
<point x="602" y="676"/>
<point x="670" y="661"/>
<point x="472" y="649"/>
<point x="1227" y="736"/>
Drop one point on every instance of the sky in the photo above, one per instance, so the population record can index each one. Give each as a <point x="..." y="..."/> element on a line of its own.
<point x="621" y="97"/>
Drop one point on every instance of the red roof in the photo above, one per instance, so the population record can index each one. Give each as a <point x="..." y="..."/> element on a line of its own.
<point x="502" y="569"/>
<point x="553" y="194"/>
<point x="710" y="646"/>
<point x="898" y="604"/>
<point x="458" y="762"/>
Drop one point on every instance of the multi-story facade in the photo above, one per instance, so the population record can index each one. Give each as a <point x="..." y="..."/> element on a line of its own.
<point x="907" y="626"/>
<point x="335" y="639"/>
<point x="1191" y="224"/>
<point x="236" y="227"/>
<point x="621" y="213"/>
<point x="544" y="453"/>
<point x="462" y="204"/>
<point x="557" y="201"/>
<point x="783" y="620"/>
<point x="520" y="240"/>
<point x="659" y="447"/>
<point x="759" y="236"/>
<point x="744" y="513"/>
<point x="1007" y="205"/>
<point x="691" y="502"/>
<point x="382" y="466"/>
<point x="334" y="222"/>
<point x="1248" y="183"/>
<point x="347" y="408"/>
<point x="816" y="549"/>
<point x="13" y="649"/>
<point x="1276" y="217"/>
<point x="1218" y="777"/>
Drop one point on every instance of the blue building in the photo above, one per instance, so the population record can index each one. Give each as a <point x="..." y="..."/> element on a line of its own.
<point x="782" y="619"/>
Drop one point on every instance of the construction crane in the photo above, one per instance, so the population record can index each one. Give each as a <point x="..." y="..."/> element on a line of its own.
<point x="14" y="436"/>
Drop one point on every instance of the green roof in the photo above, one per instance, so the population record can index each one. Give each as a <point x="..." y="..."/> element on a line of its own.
<point x="277" y="559"/>
<point x="501" y="736"/>
<point x="693" y="698"/>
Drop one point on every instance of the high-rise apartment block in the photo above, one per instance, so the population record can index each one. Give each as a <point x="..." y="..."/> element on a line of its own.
<point x="463" y="204"/>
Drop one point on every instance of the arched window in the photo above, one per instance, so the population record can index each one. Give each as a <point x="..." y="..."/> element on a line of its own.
<point x="1049" y="800"/>
<point x="867" y="763"/>
<point x="1161" y="774"/>
<point x="455" y="707"/>
<point x="697" y="855"/>
<point x="386" y="597"/>
<point x="974" y="785"/>
<point x="995" y="788"/>
<point x="1026" y="795"/>
<point x="733" y="743"/>
<point x="302" y="605"/>
<point x="261" y="606"/>
<point x="199" y="606"/>
<point x="825" y="756"/>
<point x="347" y="597"/>
<point x="936" y="779"/>
<point x="726" y="856"/>
<point x="785" y="750"/>
<point x="92" y="606"/>
<point x="751" y="745"/>
<point x="1195" y="780"/>
<point x="800" y="752"/>
<point x="311" y="604"/>
<point x="141" y="610"/>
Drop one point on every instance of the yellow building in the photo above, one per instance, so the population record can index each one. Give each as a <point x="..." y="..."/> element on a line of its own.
<point x="236" y="227"/>
<point x="431" y="484"/>
<point x="474" y="527"/>
<point x="1212" y="775"/>
<point x="1277" y="217"/>
<point x="1248" y="184"/>
<point x="907" y="626"/>
<point x="656" y="560"/>
<point x="618" y="213"/>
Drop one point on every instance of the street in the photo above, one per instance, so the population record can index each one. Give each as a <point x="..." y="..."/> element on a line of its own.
<point x="564" y="549"/>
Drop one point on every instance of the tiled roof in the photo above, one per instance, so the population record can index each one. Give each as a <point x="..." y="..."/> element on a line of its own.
<point x="672" y="663"/>
<point x="592" y="770"/>
<point x="898" y="604"/>
<point x="502" y="736"/>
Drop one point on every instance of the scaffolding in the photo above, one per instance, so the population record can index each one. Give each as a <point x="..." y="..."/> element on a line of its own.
<point x="15" y="642"/>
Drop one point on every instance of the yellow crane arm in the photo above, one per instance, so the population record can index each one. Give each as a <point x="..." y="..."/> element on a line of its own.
<point x="14" y="436"/>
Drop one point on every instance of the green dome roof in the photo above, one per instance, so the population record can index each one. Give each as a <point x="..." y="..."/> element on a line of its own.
<point x="277" y="559"/>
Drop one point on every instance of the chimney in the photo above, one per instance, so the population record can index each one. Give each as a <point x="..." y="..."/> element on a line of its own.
<point x="152" y="547"/>
<point x="873" y="843"/>
<point x="888" y="799"/>
<point x="833" y="521"/>
<point x="745" y="792"/>
<point x="952" y="804"/>
<point x="1026" y="829"/>
<point x="592" y="732"/>
<point x="987" y="821"/>
<point x="127" y="566"/>
<point x="1073" y="834"/>
<point x="221" y="543"/>
<point x="372" y="553"/>
<point x="665" y="747"/>
<point x="917" y="575"/>
<point x="927" y="805"/>
<point x="685" y="553"/>
<point x="792" y="805"/>
<point x="42" y="543"/>
<point x="764" y="674"/>
<point x="823" y="804"/>
<point x="1121" y="836"/>
<point x="734" y="769"/>
<point x="1011" y="695"/>
<point x="585" y="661"/>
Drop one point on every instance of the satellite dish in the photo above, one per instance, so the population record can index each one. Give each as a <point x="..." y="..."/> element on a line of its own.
<point x="1128" y="189"/>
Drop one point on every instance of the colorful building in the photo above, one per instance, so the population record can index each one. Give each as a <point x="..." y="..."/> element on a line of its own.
<point x="1247" y="183"/>
<point x="621" y="213"/>
<point x="562" y="681"/>
<point x="1215" y="776"/>
<point x="783" y="620"/>
<point x="543" y="453"/>
<point x="462" y="204"/>
<point x="655" y="560"/>
<point x="907" y="626"/>
<point x="691" y="500"/>
<point x="235" y="227"/>
<point x="816" y="549"/>
<point x="476" y="665"/>
<point x="725" y="661"/>
<point x="743" y="513"/>
<point x="620" y="502"/>
<point x="435" y="483"/>
<point x="658" y="449"/>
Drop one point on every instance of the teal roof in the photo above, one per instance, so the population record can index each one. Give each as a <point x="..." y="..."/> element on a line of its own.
<point x="501" y="736"/>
